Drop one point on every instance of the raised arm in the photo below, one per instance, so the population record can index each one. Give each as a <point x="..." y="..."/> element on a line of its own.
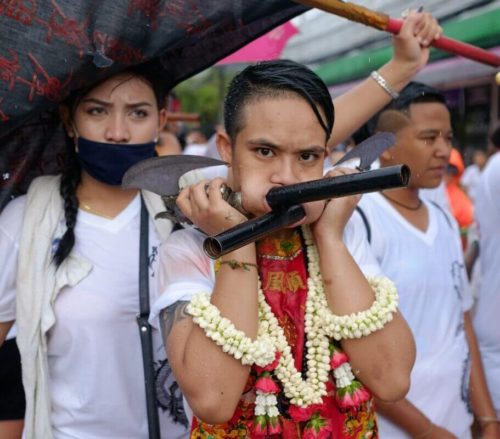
<point x="410" y="54"/>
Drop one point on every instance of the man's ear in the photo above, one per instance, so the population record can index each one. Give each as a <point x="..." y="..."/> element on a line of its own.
<point x="392" y="121"/>
<point x="388" y="154"/>
<point x="224" y="146"/>
<point x="64" y="114"/>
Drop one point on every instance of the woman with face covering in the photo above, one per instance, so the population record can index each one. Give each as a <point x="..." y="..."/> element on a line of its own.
<point x="69" y="252"/>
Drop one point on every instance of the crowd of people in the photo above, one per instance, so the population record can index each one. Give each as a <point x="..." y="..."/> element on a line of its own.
<point x="356" y="321"/>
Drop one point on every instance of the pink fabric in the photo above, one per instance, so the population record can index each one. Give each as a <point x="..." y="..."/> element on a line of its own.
<point x="267" y="47"/>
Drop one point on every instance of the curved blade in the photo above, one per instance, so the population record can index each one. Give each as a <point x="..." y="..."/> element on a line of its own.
<point x="161" y="174"/>
<point x="368" y="150"/>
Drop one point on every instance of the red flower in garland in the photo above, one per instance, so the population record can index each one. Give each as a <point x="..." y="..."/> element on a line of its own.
<point x="265" y="425"/>
<point x="318" y="428"/>
<point x="259" y="427"/>
<point x="266" y="384"/>
<point x="353" y="395"/>
<point x="273" y="425"/>
<point x="338" y="359"/>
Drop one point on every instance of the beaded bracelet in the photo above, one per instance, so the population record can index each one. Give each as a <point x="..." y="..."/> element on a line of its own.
<point x="234" y="264"/>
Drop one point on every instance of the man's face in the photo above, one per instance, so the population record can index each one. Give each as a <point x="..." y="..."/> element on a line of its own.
<point x="281" y="143"/>
<point x="424" y="144"/>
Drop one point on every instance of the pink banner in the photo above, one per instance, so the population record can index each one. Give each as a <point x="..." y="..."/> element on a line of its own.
<point x="267" y="47"/>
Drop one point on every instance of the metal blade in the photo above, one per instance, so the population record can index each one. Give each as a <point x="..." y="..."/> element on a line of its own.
<point x="161" y="174"/>
<point x="368" y="150"/>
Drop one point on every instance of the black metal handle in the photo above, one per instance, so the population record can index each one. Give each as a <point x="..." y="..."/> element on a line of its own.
<point x="287" y="210"/>
<point x="251" y="230"/>
<point x="341" y="186"/>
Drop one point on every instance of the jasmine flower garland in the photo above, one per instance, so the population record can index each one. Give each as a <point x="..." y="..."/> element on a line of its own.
<point x="224" y="333"/>
<point x="320" y="325"/>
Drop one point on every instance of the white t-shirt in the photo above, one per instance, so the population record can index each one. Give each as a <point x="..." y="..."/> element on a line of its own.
<point x="195" y="149"/>
<point x="437" y="195"/>
<point x="428" y="270"/>
<point x="487" y="311"/>
<point x="94" y="350"/>
<point x="186" y="270"/>
<point x="470" y="180"/>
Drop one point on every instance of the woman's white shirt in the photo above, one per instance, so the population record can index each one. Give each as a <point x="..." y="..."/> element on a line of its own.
<point x="94" y="351"/>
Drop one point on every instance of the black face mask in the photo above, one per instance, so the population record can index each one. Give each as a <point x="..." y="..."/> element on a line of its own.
<point x="108" y="162"/>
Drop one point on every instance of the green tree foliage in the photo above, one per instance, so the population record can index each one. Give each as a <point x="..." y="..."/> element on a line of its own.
<point x="204" y="94"/>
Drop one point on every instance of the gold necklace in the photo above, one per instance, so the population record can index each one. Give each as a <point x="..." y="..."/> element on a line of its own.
<point x="87" y="208"/>
<point x="403" y="205"/>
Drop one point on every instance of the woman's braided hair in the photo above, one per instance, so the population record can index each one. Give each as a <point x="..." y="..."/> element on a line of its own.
<point x="69" y="182"/>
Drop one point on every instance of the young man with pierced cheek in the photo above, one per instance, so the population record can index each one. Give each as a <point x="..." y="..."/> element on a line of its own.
<point x="297" y="332"/>
<point x="291" y="336"/>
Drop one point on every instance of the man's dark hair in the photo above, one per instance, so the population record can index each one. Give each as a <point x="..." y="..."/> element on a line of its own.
<point x="413" y="93"/>
<point x="271" y="79"/>
<point x="416" y="93"/>
<point x="495" y="136"/>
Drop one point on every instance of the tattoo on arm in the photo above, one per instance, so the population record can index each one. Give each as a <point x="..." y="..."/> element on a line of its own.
<point x="172" y="315"/>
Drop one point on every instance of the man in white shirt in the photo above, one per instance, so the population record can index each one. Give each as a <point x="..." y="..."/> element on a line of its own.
<point x="486" y="313"/>
<point x="416" y="243"/>
<point x="472" y="174"/>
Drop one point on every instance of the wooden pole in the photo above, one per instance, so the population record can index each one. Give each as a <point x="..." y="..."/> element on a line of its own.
<point x="381" y="21"/>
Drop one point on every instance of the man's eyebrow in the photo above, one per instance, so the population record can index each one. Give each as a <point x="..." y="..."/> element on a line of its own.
<point x="433" y="131"/>
<point x="264" y="142"/>
<point x="313" y="148"/>
<point x="269" y="144"/>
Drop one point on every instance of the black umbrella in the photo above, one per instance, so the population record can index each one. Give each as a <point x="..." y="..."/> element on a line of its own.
<point x="51" y="47"/>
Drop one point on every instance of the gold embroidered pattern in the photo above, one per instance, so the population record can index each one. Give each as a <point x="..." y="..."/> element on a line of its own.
<point x="284" y="282"/>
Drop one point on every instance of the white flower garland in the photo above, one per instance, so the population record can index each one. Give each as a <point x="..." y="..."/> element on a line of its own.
<point x="224" y="334"/>
<point x="350" y="326"/>
<point x="343" y="375"/>
<point x="266" y="404"/>
<point x="320" y="325"/>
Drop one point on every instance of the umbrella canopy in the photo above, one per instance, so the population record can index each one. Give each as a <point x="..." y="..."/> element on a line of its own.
<point x="51" y="47"/>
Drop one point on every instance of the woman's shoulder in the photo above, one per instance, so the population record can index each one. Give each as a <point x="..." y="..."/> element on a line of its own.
<point x="11" y="218"/>
<point x="14" y="209"/>
<point x="184" y="244"/>
<point x="185" y="237"/>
